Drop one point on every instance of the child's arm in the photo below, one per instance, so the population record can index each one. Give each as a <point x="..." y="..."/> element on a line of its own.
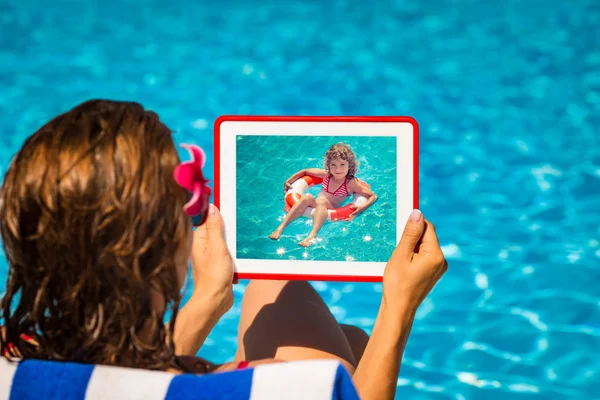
<point x="317" y="172"/>
<point x="355" y="186"/>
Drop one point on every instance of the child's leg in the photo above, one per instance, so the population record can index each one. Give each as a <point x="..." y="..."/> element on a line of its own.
<point x="296" y="211"/>
<point x="288" y="320"/>
<point x="319" y="218"/>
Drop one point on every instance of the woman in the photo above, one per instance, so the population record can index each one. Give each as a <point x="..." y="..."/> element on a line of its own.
<point x="98" y="244"/>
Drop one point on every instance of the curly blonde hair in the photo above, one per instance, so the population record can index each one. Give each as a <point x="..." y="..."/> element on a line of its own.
<point x="343" y="152"/>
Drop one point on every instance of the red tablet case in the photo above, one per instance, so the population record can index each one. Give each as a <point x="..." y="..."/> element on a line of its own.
<point x="217" y="173"/>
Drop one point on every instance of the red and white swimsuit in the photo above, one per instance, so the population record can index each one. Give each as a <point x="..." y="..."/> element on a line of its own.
<point x="342" y="191"/>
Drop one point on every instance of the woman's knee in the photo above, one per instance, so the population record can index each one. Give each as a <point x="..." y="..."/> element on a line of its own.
<point x="263" y="288"/>
<point x="267" y="291"/>
<point x="288" y="320"/>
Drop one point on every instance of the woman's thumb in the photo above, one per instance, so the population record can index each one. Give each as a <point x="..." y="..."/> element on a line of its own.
<point x="211" y="228"/>
<point x="214" y="221"/>
<point x="415" y="226"/>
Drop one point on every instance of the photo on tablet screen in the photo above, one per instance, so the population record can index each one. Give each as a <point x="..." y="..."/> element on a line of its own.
<point x="319" y="198"/>
<point x="339" y="205"/>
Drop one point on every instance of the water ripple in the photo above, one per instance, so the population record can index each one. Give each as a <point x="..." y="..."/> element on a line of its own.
<point x="507" y="95"/>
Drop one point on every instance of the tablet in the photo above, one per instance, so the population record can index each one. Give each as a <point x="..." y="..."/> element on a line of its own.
<point x="314" y="198"/>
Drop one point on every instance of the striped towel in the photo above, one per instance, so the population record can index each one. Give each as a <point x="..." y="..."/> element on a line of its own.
<point x="305" y="380"/>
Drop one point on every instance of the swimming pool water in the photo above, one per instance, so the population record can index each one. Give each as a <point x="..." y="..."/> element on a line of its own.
<point x="507" y="95"/>
<point x="264" y="163"/>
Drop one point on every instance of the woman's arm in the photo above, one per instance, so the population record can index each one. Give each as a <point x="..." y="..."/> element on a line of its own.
<point x="212" y="270"/>
<point x="194" y="323"/>
<point x="377" y="373"/>
<point x="409" y="276"/>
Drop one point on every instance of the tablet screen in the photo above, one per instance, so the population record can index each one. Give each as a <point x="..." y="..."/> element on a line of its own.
<point x="315" y="198"/>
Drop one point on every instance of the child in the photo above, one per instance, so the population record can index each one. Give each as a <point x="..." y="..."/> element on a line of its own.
<point x="339" y="183"/>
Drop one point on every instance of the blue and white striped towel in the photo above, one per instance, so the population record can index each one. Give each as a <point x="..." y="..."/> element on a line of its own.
<point x="305" y="380"/>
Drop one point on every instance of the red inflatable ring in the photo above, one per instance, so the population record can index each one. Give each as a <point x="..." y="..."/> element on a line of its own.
<point x="299" y="188"/>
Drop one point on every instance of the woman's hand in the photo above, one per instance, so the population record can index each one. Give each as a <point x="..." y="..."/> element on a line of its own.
<point x="415" y="266"/>
<point x="212" y="264"/>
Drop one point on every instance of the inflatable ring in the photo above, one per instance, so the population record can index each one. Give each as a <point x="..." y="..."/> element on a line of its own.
<point x="299" y="188"/>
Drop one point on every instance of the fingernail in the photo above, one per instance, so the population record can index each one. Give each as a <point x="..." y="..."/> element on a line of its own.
<point x="415" y="216"/>
<point x="212" y="209"/>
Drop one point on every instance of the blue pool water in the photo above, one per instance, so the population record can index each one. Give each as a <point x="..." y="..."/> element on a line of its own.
<point x="370" y="236"/>
<point x="507" y="94"/>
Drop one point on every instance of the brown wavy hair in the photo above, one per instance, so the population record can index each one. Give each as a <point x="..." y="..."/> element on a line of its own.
<point x="343" y="152"/>
<point x="91" y="222"/>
